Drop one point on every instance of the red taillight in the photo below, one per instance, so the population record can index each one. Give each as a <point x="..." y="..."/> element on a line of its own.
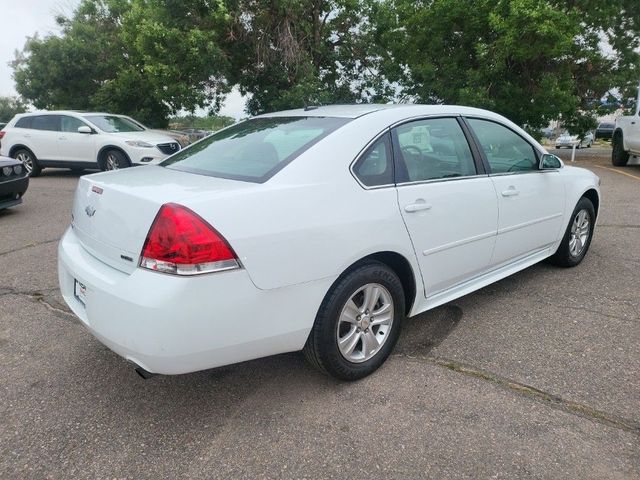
<point x="182" y="243"/>
<point x="2" y="134"/>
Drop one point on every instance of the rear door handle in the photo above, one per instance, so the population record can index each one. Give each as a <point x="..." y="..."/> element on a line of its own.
<point x="511" y="192"/>
<point x="417" y="207"/>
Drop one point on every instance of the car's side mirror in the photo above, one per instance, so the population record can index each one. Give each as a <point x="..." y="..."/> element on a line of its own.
<point x="85" y="129"/>
<point x="550" y="162"/>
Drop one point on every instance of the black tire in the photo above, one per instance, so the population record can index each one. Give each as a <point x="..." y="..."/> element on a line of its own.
<point x="114" y="160"/>
<point x="619" y="157"/>
<point x="321" y="349"/>
<point x="564" y="256"/>
<point x="29" y="161"/>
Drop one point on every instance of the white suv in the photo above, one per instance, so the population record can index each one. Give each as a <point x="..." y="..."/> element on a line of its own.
<point x="79" y="140"/>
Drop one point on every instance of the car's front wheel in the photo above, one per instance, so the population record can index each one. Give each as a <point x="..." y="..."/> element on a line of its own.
<point x="577" y="237"/>
<point x="619" y="157"/>
<point x="358" y="323"/>
<point x="115" y="160"/>
<point x="29" y="161"/>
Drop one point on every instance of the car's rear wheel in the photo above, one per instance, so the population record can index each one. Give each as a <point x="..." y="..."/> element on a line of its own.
<point x="619" y="157"/>
<point x="115" y="160"/>
<point x="29" y="161"/>
<point x="358" y="323"/>
<point x="577" y="237"/>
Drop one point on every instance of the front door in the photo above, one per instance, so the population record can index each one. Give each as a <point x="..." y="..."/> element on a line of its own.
<point x="449" y="208"/>
<point x="73" y="146"/>
<point x="530" y="201"/>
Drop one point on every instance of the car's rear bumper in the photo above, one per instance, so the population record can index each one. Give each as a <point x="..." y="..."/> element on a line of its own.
<point x="172" y="325"/>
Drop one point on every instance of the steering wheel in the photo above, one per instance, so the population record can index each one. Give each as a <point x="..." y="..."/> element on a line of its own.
<point x="412" y="150"/>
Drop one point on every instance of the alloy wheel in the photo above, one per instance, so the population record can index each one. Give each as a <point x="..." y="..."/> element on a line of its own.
<point x="579" y="233"/>
<point x="112" y="162"/>
<point x="365" y="322"/>
<point x="26" y="160"/>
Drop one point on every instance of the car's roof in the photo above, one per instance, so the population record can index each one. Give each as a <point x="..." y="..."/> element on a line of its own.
<point x="68" y="112"/>
<point x="400" y="109"/>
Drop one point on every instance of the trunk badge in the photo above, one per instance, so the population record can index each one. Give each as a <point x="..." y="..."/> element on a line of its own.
<point x="97" y="190"/>
<point x="90" y="211"/>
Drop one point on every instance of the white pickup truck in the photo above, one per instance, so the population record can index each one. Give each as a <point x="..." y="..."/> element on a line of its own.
<point x="626" y="136"/>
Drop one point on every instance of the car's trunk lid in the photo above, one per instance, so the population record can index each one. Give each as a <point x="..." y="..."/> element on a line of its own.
<point x="112" y="212"/>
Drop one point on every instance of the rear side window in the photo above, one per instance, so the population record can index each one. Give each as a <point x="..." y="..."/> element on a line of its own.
<point x="46" y="122"/>
<point x="432" y="149"/>
<point x="24" y="122"/>
<point x="254" y="150"/>
<point x="375" y="167"/>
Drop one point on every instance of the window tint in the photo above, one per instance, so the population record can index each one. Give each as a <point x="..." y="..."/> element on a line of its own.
<point x="114" y="124"/>
<point x="432" y="149"/>
<point x="375" y="166"/>
<point x="253" y="150"/>
<point x="24" y="122"/>
<point x="46" y="122"/>
<point x="506" y="151"/>
<point x="70" y="124"/>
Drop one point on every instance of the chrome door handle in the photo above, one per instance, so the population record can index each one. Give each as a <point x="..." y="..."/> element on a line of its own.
<point x="512" y="192"/>
<point x="417" y="207"/>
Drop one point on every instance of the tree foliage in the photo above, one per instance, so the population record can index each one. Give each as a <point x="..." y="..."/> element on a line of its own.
<point x="531" y="60"/>
<point x="10" y="106"/>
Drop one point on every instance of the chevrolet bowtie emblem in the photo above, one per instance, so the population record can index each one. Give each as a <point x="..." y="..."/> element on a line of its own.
<point x="90" y="211"/>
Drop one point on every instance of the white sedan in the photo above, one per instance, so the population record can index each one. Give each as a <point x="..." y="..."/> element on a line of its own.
<point x="317" y="230"/>
<point x="568" y="140"/>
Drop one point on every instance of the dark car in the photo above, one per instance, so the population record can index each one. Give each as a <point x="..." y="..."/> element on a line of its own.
<point x="14" y="182"/>
<point x="605" y="130"/>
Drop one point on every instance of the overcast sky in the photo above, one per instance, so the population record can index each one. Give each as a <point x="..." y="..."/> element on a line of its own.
<point x="23" y="18"/>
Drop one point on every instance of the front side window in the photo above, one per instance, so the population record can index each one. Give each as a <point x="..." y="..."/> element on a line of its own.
<point x="375" y="167"/>
<point x="70" y="124"/>
<point x="114" y="123"/>
<point x="253" y="150"/>
<point x="432" y="149"/>
<point x="506" y="151"/>
<point x="46" y="122"/>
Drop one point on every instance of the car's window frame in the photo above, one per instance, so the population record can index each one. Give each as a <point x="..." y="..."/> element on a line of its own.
<point x="483" y="156"/>
<point x="25" y="118"/>
<point x="481" y="170"/>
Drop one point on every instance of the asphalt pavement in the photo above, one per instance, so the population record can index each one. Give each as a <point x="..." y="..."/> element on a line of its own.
<point x="536" y="376"/>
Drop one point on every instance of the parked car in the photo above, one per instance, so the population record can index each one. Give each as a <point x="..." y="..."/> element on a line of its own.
<point x="194" y="134"/>
<point x="626" y="136"/>
<point x="605" y="130"/>
<point x="318" y="230"/>
<point x="568" y="140"/>
<point x="181" y="137"/>
<point x="14" y="182"/>
<point x="80" y="140"/>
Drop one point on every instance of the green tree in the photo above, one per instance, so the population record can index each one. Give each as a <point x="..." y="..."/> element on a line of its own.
<point x="531" y="60"/>
<point x="146" y="58"/>
<point x="10" y="106"/>
<point x="290" y="53"/>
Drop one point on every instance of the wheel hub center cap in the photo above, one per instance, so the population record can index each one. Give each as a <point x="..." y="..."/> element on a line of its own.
<point x="365" y="321"/>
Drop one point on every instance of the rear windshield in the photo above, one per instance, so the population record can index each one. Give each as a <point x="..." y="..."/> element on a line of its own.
<point x="253" y="150"/>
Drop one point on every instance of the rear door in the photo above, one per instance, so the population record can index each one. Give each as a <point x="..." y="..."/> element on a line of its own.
<point x="447" y="201"/>
<point x="73" y="146"/>
<point x="43" y="137"/>
<point x="531" y="201"/>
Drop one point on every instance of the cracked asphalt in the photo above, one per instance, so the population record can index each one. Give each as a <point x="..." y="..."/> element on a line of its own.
<point x="537" y="376"/>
